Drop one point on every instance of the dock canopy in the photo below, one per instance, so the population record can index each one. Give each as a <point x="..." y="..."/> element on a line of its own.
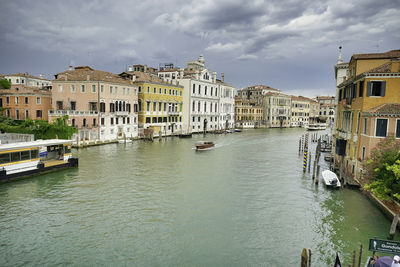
<point x="38" y="143"/>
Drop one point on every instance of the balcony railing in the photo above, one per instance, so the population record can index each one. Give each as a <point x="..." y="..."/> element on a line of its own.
<point x="121" y="113"/>
<point x="72" y="113"/>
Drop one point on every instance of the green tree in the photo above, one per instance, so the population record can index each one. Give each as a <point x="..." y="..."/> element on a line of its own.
<point x="382" y="175"/>
<point x="5" y="84"/>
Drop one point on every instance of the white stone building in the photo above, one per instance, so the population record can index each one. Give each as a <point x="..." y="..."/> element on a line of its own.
<point x="28" y="80"/>
<point x="208" y="103"/>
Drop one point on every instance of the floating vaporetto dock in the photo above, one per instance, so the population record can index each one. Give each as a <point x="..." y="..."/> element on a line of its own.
<point x="23" y="159"/>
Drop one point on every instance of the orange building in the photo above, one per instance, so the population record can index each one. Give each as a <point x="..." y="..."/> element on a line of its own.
<point x="28" y="97"/>
<point x="367" y="111"/>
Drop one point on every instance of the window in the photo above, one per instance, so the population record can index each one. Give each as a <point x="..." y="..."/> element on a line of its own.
<point x="148" y="89"/>
<point x="147" y="119"/>
<point x="26" y="100"/>
<point x="102" y="88"/>
<point x="102" y="107"/>
<point x="397" y="128"/>
<point x="199" y="88"/>
<point x="93" y="88"/>
<point x="17" y="114"/>
<point x="82" y="88"/>
<point x="84" y="122"/>
<point x="111" y="89"/>
<point x="169" y="91"/>
<point x="381" y="127"/>
<point x="26" y="114"/>
<point x="17" y="100"/>
<point x="365" y="125"/>
<point x="165" y="107"/>
<point x="116" y="90"/>
<point x="194" y="88"/>
<point x="72" y="88"/>
<point x="140" y="89"/>
<point x="38" y="113"/>
<point x="60" y="88"/>
<point x="154" y="106"/>
<point x="159" y="106"/>
<point x="73" y="105"/>
<point x="205" y="90"/>
<point x="361" y="89"/>
<point x="376" y="88"/>
<point x="160" y="90"/>
<point x="94" y="122"/>
<point x="147" y="105"/>
<point x="155" y="90"/>
<point x="59" y="105"/>
<point x="112" y="121"/>
<point x="165" y="91"/>
<point x="73" y="122"/>
<point x="154" y="120"/>
<point x="7" y="100"/>
<point x="124" y="91"/>
<point x="363" y="153"/>
<point x="102" y="121"/>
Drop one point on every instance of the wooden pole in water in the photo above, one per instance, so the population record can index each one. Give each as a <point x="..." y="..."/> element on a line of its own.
<point x="313" y="172"/>
<point x="305" y="159"/>
<point x="303" y="258"/>
<point x="309" y="162"/>
<point x="354" y="258"/>
<point x="359" y="256"/>
<point x="309" y="257"/>
<point x="316" y="180"/>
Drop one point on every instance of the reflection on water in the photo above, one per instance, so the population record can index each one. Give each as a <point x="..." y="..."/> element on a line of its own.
<point x="245" y="202"/>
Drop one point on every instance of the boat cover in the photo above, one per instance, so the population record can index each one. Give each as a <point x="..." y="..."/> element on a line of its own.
<point x="384" y="261"/>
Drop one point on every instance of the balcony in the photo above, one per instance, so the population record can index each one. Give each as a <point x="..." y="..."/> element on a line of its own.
<point x="173" y="113"/>
<point x="121" y="113"/>
<point x="72" y="113"/>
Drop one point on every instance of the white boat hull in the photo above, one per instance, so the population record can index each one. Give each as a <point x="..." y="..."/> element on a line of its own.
<point x="330" y="179"/>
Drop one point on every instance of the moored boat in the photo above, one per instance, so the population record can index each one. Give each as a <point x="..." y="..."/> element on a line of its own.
<point x="202" y="145"/>
<point x="28" y="158"/>
<point x="316" y="126"/>
<point x="330" y="179"/>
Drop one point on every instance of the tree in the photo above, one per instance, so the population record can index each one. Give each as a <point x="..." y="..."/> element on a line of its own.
<point x="5" y="84"/>
<point x="382" y="175"/>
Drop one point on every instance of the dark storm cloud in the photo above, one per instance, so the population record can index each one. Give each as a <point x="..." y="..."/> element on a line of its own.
<point x="250" y="41"/>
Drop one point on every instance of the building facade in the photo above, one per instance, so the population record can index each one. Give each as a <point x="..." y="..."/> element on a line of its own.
<point x="247" y="113"/>
<point x="101" y="105"/>
<point x="276" y="109"/>
<point x="300" y="111"/>
<point x="28" y="97"/>
<point x="208" y="103"/>
<point x="367" y="108"/>
<point x="160" y="102"/>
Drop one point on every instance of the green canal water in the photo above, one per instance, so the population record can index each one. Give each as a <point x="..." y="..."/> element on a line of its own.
<point x="244" y="203"/>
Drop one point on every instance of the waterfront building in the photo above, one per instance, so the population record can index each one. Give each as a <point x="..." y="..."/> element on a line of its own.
<point x="314" y="116"/>
<point x="368" y="101"/>
<point x="276" y="109"/>
<point x="28" y="97"/>
<point x="160" y="102"/>
<point x="100" y="104"/>
<point x="247" y="113"/>
<point x="264" y="96"/>
<point x="300" y="111"/>
<point x="208" y="103"/>
<point x="326" y="108"/>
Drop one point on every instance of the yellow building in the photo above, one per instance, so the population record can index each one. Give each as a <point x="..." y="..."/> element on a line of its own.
<point x="247" y="113"/>
<point x="367" y="108"/>
<point x="159" y="104"/>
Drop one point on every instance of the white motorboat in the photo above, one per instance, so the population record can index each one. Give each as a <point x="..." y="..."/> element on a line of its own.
<point x="330" y="179"/>
<point x="316" y="126"/>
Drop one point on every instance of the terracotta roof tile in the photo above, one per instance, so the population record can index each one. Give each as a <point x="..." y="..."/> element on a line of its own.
<point x="85" y="73"/>
<point x="389" y="54"/>
<point x="387" y="109"/>
<point x="27" y="75"/>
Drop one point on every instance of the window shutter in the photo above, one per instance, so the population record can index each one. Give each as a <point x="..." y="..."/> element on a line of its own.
<point x="369" y="89"/>
<point x="383" y="88"/>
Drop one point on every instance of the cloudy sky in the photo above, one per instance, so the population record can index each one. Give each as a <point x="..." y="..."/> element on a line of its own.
<point x="286" y="44"/>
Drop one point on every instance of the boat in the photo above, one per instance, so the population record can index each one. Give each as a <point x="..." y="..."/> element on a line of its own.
<point x="238" y="130"/>
<point x="23" y="159"/>
<point x="316" y="126"/>
<point x="330" y="179"/>
<point x="202" y="145"/>
<point x="124" y="141"/>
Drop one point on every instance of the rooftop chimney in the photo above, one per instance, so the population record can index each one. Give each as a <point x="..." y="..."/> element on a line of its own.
<point x="70" y="67"/>
<point x="130" y="68"/>
<point x="214" y="77"/>
<point x="222" y="77"/>
<point x="133" y="78"/>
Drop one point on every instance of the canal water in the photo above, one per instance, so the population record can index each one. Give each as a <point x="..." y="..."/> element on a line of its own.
<point x="244" y="203"/>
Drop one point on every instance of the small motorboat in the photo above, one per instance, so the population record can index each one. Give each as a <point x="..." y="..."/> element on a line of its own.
<point x="238" y="130"/>
<point x="316" y="126"/>
<point x="330" y="179"/>
<point x="203" y="145"/>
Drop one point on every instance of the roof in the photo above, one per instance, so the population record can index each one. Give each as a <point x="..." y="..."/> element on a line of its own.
<point x="260" y="87"/>
<point x="302" y="98"/>
<point x="86" y="73"/>
<point x="223" y="83"/>
<point x="147" y="77"/>
<point x="325" y="97"/>
<point x="26" y="75"/>
<point x="50" y="142"/>
<point x="169" y="70"/>
<point x="389" y="54"/>
<point x="384" y="110"/>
